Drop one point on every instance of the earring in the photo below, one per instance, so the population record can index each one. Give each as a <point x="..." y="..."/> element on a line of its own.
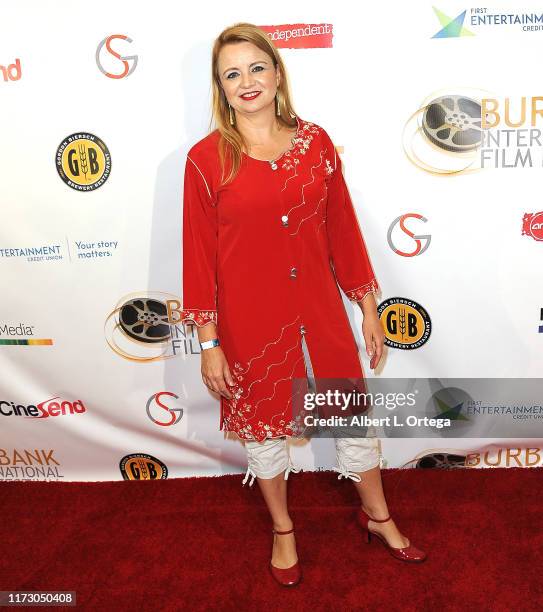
<point x="231" y="115"/>
<point x="278" y="110"/>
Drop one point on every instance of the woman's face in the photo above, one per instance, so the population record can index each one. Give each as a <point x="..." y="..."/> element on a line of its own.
<point x="244" y="69"/>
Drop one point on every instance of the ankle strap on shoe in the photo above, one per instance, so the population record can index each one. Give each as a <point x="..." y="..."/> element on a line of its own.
<point x="374" y="519"/>
<point x="282" y="532"/>
<point x="381" y="520"/>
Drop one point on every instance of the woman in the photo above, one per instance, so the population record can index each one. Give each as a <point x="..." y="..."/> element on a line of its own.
<point x="269" y="232"/>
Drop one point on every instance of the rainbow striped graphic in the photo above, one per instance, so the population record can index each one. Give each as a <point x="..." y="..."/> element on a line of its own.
<point x="25" y="342"/>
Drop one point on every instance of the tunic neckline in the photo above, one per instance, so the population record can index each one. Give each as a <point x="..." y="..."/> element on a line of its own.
<point x="293" y="139"/>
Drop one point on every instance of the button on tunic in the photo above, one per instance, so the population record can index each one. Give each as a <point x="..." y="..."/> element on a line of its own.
<point x="265" y="257"/>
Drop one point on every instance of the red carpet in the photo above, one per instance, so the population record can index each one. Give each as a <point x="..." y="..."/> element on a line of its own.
<point x="204" y="543"/>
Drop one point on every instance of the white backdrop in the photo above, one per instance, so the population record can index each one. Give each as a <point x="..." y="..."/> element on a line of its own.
<point x="479" y="280"/>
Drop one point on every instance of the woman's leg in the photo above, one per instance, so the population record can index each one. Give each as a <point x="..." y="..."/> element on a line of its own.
<point x="269" y="462"/>
<point x="360" y="457"/>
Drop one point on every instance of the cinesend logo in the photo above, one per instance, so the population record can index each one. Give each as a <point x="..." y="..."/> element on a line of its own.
<point x="52" y="407"/>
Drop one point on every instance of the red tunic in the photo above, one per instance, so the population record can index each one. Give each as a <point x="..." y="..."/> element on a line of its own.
<point x="262" y="258"/>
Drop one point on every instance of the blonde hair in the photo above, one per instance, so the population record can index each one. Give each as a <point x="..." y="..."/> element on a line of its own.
<point x="232" y="142"/>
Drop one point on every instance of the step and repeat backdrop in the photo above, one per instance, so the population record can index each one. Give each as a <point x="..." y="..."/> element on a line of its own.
<point x="437" y="113"/>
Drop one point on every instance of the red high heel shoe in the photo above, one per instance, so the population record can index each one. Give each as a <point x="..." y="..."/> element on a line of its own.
<point x="289" y="576"/>
<point x="408" y="553"/>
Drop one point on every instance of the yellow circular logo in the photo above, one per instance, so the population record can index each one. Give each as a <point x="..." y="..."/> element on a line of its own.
<point x="141" y="466"/>
<point x="405" y="322"/>
<point x="83" y="161"/>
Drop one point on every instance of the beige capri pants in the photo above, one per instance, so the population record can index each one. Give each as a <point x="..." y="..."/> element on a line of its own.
<point x="270" y="457"/>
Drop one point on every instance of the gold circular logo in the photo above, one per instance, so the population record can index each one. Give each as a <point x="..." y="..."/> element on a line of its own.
<point x="406" y="323"/>
<point x="83" y="161"/>
<point x="140" y="466"/>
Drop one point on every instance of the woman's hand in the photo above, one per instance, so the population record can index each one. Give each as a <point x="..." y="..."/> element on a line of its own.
<point x="374" y="336"/>
<point x="372" y="330"/>
<point x="215" y="371"/>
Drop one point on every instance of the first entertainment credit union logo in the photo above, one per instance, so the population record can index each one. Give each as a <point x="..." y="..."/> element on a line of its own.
<point x="452" y="27"/>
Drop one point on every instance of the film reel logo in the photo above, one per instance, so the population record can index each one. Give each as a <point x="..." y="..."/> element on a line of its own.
<point x="83" y="161"/>
<point x="445" y="134"/>
<point x="438" y="459"/>
<point x="406" y="323"/>
<point x="532" y="225"/>
<point x="422" y="241"/>
<point x="144" y="327"/>
<point x="145" y="319"/>
<point x="140" y="466"/>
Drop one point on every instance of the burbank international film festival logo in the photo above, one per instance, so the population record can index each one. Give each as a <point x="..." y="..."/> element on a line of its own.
<point x="471" y="130"/>
<point x="145" y="327"/>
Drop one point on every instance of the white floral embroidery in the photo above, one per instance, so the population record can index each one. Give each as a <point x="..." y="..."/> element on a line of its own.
<point x="358" y="294"/>
<point x="235" y="420"/>
<point x="301" y="144"/>
<point x="198" y="317"/>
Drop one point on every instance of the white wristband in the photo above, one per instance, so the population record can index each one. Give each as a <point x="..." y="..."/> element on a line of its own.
<point x="209" y="344"/>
